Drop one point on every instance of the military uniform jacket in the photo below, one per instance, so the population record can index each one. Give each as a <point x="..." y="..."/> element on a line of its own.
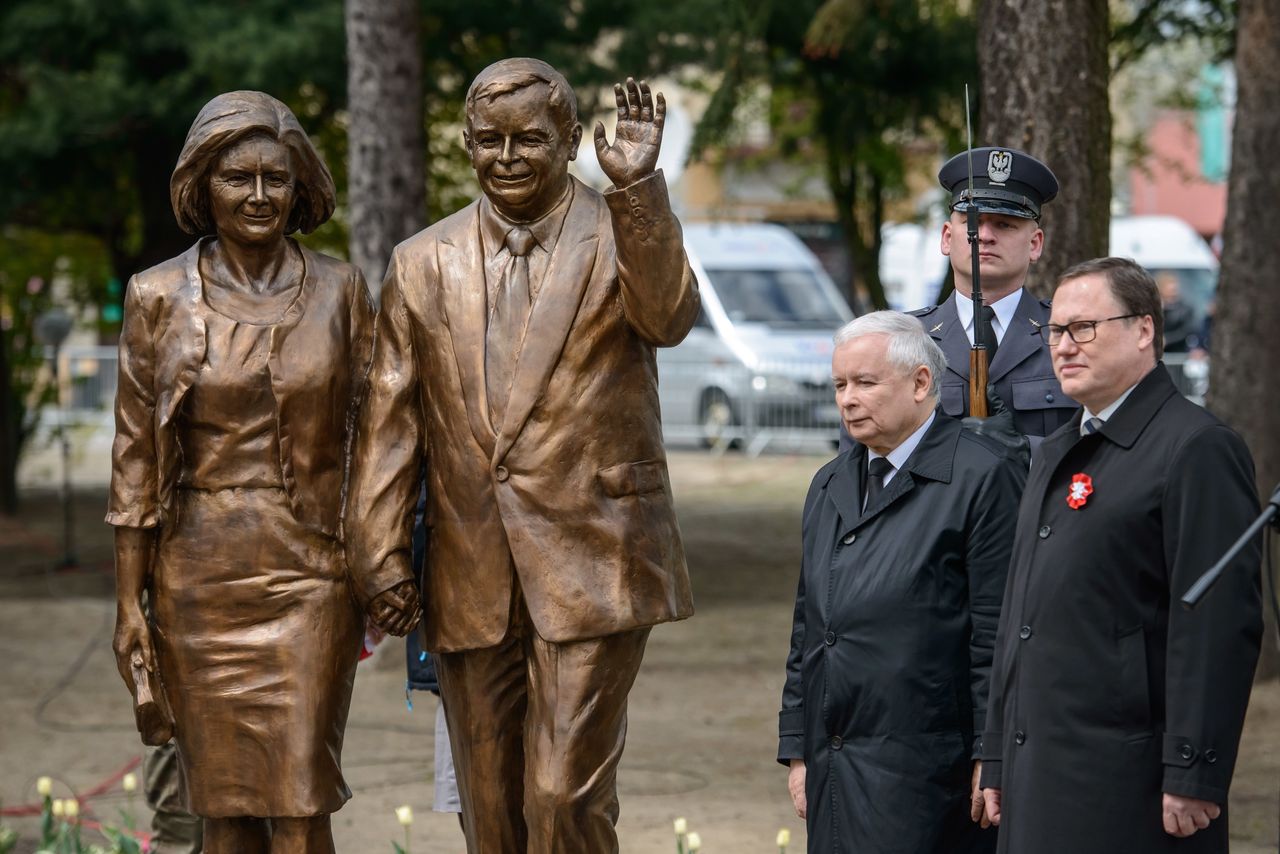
<point x="1105" y="691"/>
<point x="570" y="493"/>
<point x="1022" y="370"/>
<point x="894" y="626"/>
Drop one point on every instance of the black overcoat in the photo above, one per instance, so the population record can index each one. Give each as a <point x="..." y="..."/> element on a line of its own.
<point x="1105" y="694"/>
<point x="895" y="619"/>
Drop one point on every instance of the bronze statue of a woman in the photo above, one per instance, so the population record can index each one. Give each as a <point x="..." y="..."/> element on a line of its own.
<point x="242" y="364"/>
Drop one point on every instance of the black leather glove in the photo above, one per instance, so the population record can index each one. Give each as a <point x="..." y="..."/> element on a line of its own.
<point x="998" y="427"/>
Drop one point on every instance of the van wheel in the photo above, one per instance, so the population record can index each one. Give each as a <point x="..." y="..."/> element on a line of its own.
<point x="716" y="419"/>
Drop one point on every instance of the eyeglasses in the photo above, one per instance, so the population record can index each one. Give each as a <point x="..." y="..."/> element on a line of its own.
<point x="1081" y="331"/>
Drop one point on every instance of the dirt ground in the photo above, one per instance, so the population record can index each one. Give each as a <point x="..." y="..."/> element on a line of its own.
<point x="703" y="719"/>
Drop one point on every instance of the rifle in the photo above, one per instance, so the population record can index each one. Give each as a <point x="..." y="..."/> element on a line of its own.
<point x="978" y="358"/>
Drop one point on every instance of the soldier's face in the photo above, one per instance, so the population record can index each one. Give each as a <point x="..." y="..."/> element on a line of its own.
<point x="1006" y="247"/>
<point x="520" y="154"/>
<point x="880" y="403"/>
<point x="1097" y="372"/>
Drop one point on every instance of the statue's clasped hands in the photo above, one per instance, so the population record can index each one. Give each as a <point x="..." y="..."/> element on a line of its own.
<point x="634" y="152"/>
<point x="396" y="611"/>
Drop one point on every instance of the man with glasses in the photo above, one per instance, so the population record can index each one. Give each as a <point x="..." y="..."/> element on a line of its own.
<point x="1115" y="715"/>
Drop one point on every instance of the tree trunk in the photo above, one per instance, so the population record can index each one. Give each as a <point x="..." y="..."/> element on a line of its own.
<point x="1044" y="90"/>
<point x="386" y="175"/>
<point x="1248" y="313"/>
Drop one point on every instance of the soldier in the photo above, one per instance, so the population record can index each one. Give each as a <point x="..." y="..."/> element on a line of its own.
<point x="1009" y="188"/>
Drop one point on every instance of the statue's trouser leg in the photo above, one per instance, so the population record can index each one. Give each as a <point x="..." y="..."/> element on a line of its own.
<point x="236" y="836"/>
<point x="537" y="730"/>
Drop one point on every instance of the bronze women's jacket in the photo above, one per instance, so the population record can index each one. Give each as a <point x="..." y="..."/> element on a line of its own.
<point x="326" y="332"/>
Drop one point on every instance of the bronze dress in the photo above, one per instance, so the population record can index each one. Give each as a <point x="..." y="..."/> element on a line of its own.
<point x="258" y="643"/>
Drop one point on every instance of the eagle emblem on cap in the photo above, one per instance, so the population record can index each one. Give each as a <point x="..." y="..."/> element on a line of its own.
<point x="999" y="166"/>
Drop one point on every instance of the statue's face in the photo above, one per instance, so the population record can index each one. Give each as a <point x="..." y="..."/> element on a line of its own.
<point x="252" y="190"/>
<point x="520" y="155"/>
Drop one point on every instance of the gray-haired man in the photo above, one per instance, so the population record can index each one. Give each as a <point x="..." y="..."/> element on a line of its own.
<point x="907" y="538"/>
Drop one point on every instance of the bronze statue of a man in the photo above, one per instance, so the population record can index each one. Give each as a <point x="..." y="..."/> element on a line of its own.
<point x="515" y="361"/>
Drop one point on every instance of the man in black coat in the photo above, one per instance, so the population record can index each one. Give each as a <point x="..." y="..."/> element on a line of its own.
<point x="906" y="545"/>
<point x="1115" y="714"/>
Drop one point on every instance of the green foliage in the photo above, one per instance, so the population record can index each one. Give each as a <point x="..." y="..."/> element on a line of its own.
<point x="96" y="98"/>
<point x="853" y="84"/>
<point x="1139" y="25"/>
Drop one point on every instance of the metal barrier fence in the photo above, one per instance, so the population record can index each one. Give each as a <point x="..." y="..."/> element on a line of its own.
<point x="781" y="405"/>
<point x="87" y="378"/>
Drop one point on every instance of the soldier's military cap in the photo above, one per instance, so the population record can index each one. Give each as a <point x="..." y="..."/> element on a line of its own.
<point x="1005" y="181"/>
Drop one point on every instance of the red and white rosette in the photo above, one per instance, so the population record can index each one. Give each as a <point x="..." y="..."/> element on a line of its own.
<point x="1081" y="489"/>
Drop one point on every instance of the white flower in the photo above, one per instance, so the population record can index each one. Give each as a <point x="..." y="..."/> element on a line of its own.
<point x="682" y="826"/>
<point x="129" y="782"/>
<point x="695" y="842"/>
<point x="71" y="807"/>
<point x="404" y="815"/>
<point x="44" y="786"/>
<point x="57" y="807"/>
<point x="784" y="838"/>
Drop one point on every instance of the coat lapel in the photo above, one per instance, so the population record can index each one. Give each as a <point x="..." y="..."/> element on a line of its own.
<point x="461" y="263"/>
<point x="949" y="334"/>
<point x="565" y="281"/>
<point x="845" y="487"/>
<point x="1021" y="340"/>
<point x="185" y="336"/>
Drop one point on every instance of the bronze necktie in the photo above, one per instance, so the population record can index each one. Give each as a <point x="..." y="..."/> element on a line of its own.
<point x="507" y="322"/>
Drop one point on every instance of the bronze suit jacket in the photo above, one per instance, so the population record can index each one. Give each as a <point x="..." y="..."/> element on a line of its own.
<point x="326" y="333"/>
<point x="571" y="493"/>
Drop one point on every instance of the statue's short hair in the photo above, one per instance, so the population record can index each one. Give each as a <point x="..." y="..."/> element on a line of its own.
<point x="225" y="121"/>
<point x="909" y="346"/>
<point x="511" y="75"/>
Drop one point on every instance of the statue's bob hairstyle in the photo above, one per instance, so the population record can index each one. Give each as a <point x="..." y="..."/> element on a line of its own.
<point x="222" y="123"/>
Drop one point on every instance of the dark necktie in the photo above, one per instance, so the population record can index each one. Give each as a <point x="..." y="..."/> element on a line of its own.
<point x="876" y="471"/>
<point x="507" y="322"/>
<point x="988" y="331"/>
<point x="1093" y="425"/>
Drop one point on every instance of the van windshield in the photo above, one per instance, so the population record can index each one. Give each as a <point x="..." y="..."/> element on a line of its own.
<point x="776" y="297"/>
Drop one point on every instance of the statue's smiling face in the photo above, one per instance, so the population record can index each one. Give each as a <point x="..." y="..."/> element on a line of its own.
<point x="521" y="156"/>
<point x="252" y="190"/>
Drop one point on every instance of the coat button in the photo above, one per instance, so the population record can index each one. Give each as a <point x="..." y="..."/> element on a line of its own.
<point x="836" y="742"/>
<point x="829" y="638"/>
<point x="501" y="474"/>
<point x="1024" y="632"/>
<point x="1048" y="398"/>
<point x="849" y="538"/>
<point x="1211" y="756"/>
<point x="1019" y="737"/>
<point x="1186" y="752"/>
<point x="1045" y="532"/>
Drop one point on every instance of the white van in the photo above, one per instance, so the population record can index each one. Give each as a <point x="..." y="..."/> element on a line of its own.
<point x="756" y="367"/>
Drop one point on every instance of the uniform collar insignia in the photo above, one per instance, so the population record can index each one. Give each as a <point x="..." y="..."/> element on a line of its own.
<point x="936" y="328"/>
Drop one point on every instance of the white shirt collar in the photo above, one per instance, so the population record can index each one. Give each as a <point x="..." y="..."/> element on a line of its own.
<point x="899" y="455"/>
<point x="1005" y="308"/>
<point x="1106" y="414"/>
